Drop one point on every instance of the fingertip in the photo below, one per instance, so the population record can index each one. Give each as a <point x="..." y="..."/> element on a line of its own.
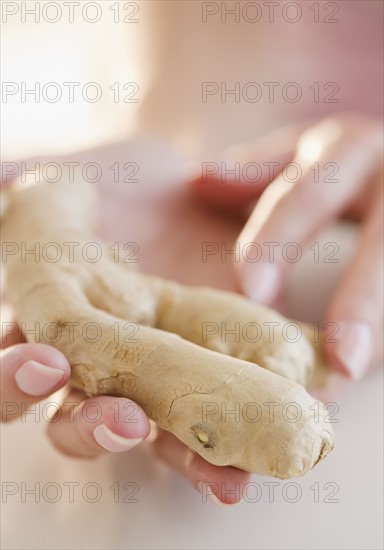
<point x="20" y="353"/>
<point x="337" y="365"/>
<point x="96" y="425"/>
<point x="259" y="281"/>
<point x="36" y="379"/>
<point x="113" y="442"/>
<point x="351" y="352"/>
<point x="121" y="415"/>
<point x="220" y="485"/>
<point x="114" y="424"/>
<point x="35" y="370"/>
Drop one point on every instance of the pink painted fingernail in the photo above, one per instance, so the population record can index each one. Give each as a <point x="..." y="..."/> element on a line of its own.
<point x="113" y="442"/>
<point x="37" y="379"/>
<point x="260" y="281"/>
<point x="209" y="495"/>
<point x="355" y="347"/>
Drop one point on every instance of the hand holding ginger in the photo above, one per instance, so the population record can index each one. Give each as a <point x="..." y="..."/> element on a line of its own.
<point x="179" y="383"/>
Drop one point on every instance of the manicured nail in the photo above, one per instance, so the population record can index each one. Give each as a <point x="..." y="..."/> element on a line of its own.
<point x="209" y="496"/>
<point x="36" y="379"/>
<point x="113" y="442"/>
<point x="260" y="282"/>
<point x="355" y="347"/>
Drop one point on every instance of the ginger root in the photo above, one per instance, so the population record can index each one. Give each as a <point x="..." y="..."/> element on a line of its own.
<point x="240" y="403"/>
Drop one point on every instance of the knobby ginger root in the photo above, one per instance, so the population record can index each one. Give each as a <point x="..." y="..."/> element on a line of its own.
<point x="235" y="403"/>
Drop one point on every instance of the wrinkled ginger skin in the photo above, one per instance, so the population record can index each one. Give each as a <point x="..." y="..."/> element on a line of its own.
<point x="155" y="353"/>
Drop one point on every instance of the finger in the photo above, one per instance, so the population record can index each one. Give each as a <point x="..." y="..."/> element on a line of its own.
<point x="291" y="210"/>
<point x="29" y="372"/>
<point x="221" y="485"/>
<point x="246" y="170"/>
<point x="357" y="305"/>
<point x="91" y="427"/>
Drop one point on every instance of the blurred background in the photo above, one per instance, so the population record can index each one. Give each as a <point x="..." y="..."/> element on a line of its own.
<point x="307" y="61"/>
<point x="83" y="52"/>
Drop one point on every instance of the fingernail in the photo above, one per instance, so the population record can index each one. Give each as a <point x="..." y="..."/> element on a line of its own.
<point x="209" y="496"/>
<point x="260" y="282"/>
<point x="36" y="379"/>
<point x="113" y="442"/>
<point x="355" y="347"/>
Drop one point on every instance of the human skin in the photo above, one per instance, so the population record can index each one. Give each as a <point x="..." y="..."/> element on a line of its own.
<point x="360" y="291"/>
<point x="132" y="214"/>
<point x="225" y="128"/>
<point x="140" y="218"/>
<point x="355" y="145"/>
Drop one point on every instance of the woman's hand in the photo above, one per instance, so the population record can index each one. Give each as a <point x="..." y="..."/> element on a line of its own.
<point x="144" y="201"/>
<point x="151" y="209"/>
<point x="80" y="427"/>
<point x="336" y="171"/>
